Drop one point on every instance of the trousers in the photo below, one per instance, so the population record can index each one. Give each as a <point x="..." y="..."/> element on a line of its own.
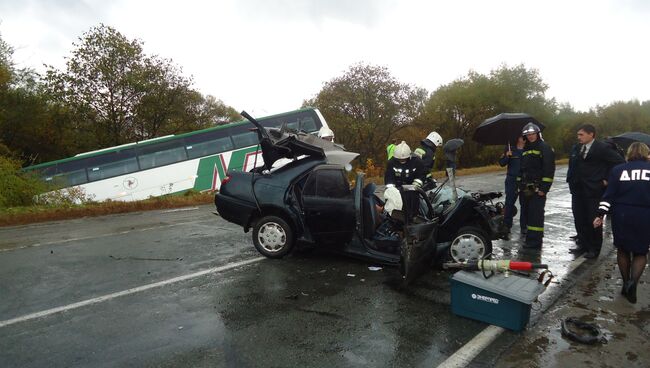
<point x="512" y="193"/>
<point x="533" y="208"/>
<point x="584" y="213"/>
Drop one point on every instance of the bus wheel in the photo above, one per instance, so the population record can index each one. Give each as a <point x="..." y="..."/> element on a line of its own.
<point x="273" y="237"/>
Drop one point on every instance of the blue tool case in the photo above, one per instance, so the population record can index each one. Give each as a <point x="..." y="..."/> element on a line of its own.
<point x="500" y="300"/>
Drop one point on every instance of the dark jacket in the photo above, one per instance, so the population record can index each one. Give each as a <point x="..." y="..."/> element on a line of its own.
<point x="513" y="162"/>
<point x="571" y="178"/>
<point x="538" y="165"/>
<point x="400" y="174"/>
<point x="590" y="172"/>
<point x="428" y="152"/>
<point x="629" y="184"/>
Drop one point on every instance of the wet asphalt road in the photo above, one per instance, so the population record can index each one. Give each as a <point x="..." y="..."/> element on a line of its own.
<point x="310" y="309"/>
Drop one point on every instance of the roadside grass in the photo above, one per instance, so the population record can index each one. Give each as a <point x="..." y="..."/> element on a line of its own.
<point x="31" y="214"/>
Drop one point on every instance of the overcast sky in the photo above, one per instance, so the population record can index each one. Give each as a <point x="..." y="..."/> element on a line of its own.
<point x="267" y="56"/>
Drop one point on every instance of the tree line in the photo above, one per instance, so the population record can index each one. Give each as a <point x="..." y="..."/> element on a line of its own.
<point x="368" y="108"/>
<point x="110" y="93"/>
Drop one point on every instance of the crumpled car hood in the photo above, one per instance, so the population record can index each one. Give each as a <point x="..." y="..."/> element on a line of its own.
<point x="293" y="145"/>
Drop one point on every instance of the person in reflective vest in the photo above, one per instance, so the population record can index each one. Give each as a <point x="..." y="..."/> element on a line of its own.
<point x="627" y="199"/>
<point x="535" y="180"/>
<point x="427" y="152"/>
<point x="404" y="169"/>
<point x="390" y="149"/>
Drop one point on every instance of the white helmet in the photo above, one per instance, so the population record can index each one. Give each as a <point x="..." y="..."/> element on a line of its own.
<point x="435" y="138"/>
<point x="402" y="151"/>
<point x="325" y="133"/>
<point x="530" y="128"/>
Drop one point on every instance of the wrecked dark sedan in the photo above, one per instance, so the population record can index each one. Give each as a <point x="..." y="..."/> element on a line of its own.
<point x="301" y="196"/>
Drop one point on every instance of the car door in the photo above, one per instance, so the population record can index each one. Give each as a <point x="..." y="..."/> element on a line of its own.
<point x="328" y="205"/>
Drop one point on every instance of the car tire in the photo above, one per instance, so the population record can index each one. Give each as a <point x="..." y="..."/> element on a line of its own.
<point x="272" y="237"/>
<point x="471" y="243"/>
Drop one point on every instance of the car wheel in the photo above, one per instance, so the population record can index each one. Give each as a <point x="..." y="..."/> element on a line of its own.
<point x="273" y="237"/>
<point x="470" y="244"/>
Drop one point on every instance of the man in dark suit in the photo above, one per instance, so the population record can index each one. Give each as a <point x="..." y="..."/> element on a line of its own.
<point x="572" y="180"/>
<point x="589" y="180"/>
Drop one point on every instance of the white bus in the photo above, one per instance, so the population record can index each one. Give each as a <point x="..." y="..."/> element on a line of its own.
<point x="197" y="160"/>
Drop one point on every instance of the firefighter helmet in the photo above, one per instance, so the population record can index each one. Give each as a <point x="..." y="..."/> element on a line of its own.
<point x="530" y="128"/>
<point x="402" y="151"/>
<point x="434" y="138"/>
<point x="326" y="133"/>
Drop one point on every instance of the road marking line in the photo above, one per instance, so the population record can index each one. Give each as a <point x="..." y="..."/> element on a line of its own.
<point x="138" y="289"/>
<point x="96" y="236"/>
<point x="463" y="356"/>
<point x="181" y="209"/>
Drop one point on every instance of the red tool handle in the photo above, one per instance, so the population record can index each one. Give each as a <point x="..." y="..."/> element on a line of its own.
<point x="525" y="266"/>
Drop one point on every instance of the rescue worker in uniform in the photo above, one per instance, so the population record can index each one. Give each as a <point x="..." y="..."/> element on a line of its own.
<point x="536" y="177"/>
<point x="427" y="153"/>
<point x="627" y="199"/>
<point x="512" y="158"/>
<point x="404" y="169"/>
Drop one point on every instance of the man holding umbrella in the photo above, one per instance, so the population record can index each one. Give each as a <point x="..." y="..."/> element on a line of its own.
<point x="536" y="177"/>
<point x="506" y="128"/>
<point x="512" y="158"/>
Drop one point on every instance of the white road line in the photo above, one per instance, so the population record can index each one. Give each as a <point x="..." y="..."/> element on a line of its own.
<point x="138" y="289"/>
<point x="463" y="356"/>
<point x="96" y="236"/>
<point x="181" y="209"/>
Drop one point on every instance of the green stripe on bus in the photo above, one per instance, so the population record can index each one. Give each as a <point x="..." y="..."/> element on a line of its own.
<point x="211" y="170"/>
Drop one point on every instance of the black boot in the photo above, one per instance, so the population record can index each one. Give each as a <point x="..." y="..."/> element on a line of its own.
<point x="631" y="292"/>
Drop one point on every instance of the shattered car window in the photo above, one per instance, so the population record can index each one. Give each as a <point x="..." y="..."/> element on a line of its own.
<point x="327" y="183"/>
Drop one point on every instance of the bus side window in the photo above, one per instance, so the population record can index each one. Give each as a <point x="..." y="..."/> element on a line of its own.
<point x="242" y="136"/>
<point x="209" y="143"/>
<point x="160" y="154"/>
<point x="112" y="164"/>
<point x="307" y="124"/>
<point x="70" y="173"/>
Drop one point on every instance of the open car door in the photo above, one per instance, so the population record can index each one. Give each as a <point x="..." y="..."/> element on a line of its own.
<point x="418" y="248"/>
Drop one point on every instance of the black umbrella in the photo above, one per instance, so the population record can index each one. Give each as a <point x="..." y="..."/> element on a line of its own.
<point x="503" y="128"/>
<point x="626" y="139"/>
